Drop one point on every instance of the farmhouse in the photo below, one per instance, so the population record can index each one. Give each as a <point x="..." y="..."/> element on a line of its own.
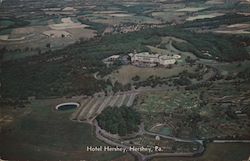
<point x="151" y="60"/>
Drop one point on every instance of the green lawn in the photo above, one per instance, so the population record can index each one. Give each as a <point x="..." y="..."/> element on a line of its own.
<point x="45" y="134"/>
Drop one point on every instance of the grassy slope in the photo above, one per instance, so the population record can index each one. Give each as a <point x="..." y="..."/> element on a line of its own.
<point x="44" y="134"/>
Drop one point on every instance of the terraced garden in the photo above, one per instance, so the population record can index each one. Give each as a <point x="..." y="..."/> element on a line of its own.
<point x="91" y="107"/>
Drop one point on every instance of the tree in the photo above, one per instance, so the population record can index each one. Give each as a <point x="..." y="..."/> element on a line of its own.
<point x="123" y="120"/>
<point x="136" y="78"/>
<point x="48" y="45"/>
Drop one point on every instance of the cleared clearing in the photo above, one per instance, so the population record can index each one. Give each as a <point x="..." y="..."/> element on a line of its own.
<point x="240" y="28"/>
<point x="67" y="23"/>
<point x="127" y="72"/>
<point x="233" y="32"/>
<point x="169" y="15"/>
<point x="244" y="13"/>
<point x="120" y="15"/>
<point x="108" y="12"/>
<point x="239" y="25"/>
<point x="7" y="38"/>
<point x="191" y="9"/>
<point x="120" y="18"/>
<point x="215" y="2"/>
<point x="211" y="15"/>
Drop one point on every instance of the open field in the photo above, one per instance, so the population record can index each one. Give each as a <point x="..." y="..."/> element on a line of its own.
<point x="125" y="74"/>
<point x="34" y="40"/>
<point x="113" y="13"/>
<point x="67" y="23"/>
<point x="191" y="9"/>
<point x="6" y="38"/>
<point x="45" y="134"/>
<point x="109" y="12"/>
<point x="120" y="15"/>
<point x="211" y="15"/>
<point x="95" y="18"/>
<point x="234" y="29"/>
<point x="232" y="32"/>
<point x="120" y="18"/>
<point x="169" y="16"/>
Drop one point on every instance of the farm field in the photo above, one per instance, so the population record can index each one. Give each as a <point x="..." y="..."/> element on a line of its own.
<point x="191" y="9"/>
<point x="67" y="23"/>
<point x="212" y="15"/>
<point x="120" y="18"/>
<point x="35" y="39"/>
<point x="94" y="21"/>
<point x="234" y="29"/>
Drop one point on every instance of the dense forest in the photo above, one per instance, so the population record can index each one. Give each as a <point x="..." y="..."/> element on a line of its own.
<point x="123" y="120"/>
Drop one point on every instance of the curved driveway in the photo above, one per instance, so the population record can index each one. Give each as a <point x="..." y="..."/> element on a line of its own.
<point x="105" y="137"/>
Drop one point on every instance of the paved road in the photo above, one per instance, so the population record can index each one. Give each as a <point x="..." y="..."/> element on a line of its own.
<point x="231" y="141"/>
<point x="107" y="138"/>
<point x="140" y="156"/>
